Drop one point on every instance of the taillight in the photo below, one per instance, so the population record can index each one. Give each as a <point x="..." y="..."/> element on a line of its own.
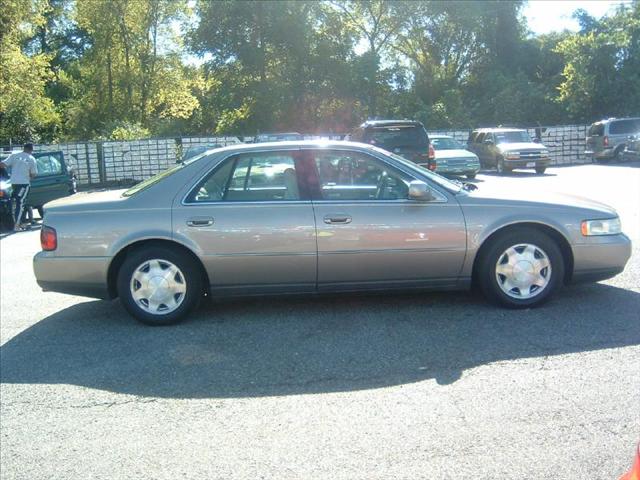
<point x="432" y="152"/>
<point x="48" y="239"/>
<point x="605" y="141"/>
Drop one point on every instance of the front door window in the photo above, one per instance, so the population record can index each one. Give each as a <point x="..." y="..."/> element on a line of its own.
<point x="349" y="176"/>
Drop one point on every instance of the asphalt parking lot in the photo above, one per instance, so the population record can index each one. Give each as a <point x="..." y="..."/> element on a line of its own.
<point x="428" y="385"/>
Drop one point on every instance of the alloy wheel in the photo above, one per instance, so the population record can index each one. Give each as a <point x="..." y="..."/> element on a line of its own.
<point x="158" y="286"/>
<point x="523" y="271"/>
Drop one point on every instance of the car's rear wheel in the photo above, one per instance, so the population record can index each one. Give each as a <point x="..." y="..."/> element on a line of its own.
<point x="159" y="285"/>
<point x="540" y="170"/>
<point x="522" y="268"/>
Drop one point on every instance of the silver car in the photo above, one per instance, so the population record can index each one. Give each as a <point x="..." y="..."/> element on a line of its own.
<point x="316" y="217"/>
<point x="606" y="140"/>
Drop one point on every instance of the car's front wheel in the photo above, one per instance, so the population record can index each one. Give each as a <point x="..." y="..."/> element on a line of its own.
<point x="159" y="285"/>
<point x="521" y="268"/>
<point x="501" y="167"/>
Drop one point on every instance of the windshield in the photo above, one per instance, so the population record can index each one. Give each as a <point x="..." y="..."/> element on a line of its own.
<point x="279" y="137"/>
<point x="438" y="179"/>
<point x="389" y="137"/>
<point x="518" y="136"/>
<point x="446" y="143"/>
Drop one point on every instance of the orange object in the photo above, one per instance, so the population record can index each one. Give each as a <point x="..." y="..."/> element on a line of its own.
<point x="634" y="473"/>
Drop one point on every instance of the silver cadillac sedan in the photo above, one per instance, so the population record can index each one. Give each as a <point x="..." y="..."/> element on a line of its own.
<point x="317" y="217"/>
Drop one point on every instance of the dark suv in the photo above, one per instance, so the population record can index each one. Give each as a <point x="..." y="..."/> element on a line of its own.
<point x="407" y="138"/>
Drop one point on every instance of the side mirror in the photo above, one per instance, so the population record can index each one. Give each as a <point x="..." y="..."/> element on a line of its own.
<point x="488" y="141"/>
<point x="420" y="191"/>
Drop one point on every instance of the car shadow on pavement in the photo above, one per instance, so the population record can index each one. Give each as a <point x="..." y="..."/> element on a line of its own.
<point x="264" y="347"/>
<point x="519" y="174"/>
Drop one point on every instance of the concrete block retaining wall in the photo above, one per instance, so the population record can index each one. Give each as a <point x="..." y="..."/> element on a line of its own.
<point x="130" y="161"/>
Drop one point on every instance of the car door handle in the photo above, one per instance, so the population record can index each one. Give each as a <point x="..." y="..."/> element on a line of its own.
<point x="200" y="222"/>
<point x="337" y="218"/>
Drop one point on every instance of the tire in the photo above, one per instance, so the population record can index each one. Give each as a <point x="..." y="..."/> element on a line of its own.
<point x="6" y="222"/>
<point x="540" y="170"/>
<point x="618" y="154"/>
<point x="500" y="167"/>
<point x="175" y="296"/>
<point x="491" y="263"/>
<point x="471" y="176"/>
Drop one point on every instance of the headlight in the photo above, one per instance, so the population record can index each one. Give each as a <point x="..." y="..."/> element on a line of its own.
<point x="512" y="155"/>
<point x="610" y="226"/>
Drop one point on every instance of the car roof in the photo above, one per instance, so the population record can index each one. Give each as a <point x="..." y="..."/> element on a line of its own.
<point x="277" y="133"/>
<point x="390" y="123"/>
<point x="499" y="130"/>
<point x="439" y="136"/>
<point x="291" y="144"/>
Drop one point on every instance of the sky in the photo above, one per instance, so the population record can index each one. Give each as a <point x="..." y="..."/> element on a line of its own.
<point x="544" y="16"/>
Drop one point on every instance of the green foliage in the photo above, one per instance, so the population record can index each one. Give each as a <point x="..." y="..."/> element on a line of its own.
<point x="601" y="75"/>
<point x="118" y="69"/>
<point x="128" y="131"/>
<point x="26" y="113"/>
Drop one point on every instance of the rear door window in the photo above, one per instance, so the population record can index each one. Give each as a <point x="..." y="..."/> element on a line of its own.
<point x="624" y="127"/>
<point x="256" y="177"/>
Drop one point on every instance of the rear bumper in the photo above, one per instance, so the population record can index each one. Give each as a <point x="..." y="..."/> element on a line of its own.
<point x="606" y="257"/>
<point x="606" y="153"/>
<point x="83" y="276"/>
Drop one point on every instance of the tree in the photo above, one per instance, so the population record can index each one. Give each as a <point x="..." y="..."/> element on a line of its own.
<point x="126" y="76"/>
<point x="26" y="113"/>
<point x="601" y="75"/>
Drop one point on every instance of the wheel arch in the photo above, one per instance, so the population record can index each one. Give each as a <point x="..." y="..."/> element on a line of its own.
<point x="554" y="234"/>
<point x="119" y="258"/>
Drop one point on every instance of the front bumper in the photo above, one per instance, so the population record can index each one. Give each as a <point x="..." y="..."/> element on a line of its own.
<point x="604" y="257"/>
<point x="528" y="163"/>
<point x="83" y="276"/>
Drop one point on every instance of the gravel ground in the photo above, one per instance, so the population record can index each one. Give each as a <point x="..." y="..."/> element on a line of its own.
<point x="431" y="385"/>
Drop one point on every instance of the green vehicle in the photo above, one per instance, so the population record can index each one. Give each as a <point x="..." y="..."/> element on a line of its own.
<point x="55" y="180"/>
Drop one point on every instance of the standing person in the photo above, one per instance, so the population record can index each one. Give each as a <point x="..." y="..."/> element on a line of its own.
<point x="23" y="169"/>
